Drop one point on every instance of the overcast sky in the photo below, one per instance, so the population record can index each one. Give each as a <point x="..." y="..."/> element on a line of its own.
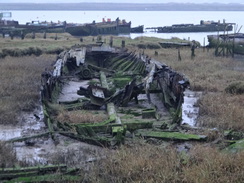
<point x="123" y="1"/>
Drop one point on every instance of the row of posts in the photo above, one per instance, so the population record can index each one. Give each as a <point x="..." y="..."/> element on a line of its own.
<point x="22" y="35"/>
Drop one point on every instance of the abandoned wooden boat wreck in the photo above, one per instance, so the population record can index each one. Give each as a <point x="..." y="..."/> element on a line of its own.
<point x="204" y="26"/>
<point x="119" y="95"/>
<point x="100" y="28"/>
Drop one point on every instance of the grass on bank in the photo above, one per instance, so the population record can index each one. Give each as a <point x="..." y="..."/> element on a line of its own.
<point x="149" y="163"/>
<point x="20" y="85"/>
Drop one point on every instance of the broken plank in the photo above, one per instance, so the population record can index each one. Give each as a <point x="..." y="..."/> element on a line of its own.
<point x="176" y="136"/>
<point x="61" y="167"/>
<point x="236" y="147"/>
<point x="100" y="68"/>
<point x="99" y="141"/>
<point x="112" y="112"/>
<point x="30" y="137"/>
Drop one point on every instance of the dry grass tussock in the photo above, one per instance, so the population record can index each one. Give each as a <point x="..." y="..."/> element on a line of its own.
<point x="148" y="163"/>
<point x="81" y="117"/>
<point x="7" y="156"/>
<point x="222" y="110"/>
<point x="20" y="85"/>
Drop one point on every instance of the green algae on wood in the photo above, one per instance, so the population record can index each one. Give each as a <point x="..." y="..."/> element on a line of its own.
<point x="120" y="82"/>
<point x="169" y="135"/>
<point x="47" y="178"/>
<point x="149" y="113"/>
<point x="236" y="147"/>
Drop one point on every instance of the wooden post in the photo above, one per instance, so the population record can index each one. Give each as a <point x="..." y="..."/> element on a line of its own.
<point x="204" y="44"/>
<point x="193" y="46"/>
<point x="22" y="35"/>
<point x="123" y="44"/>
<point x="99" y="38"/>
<point x="11" y="35"/>
<point x="44" y="35"/>
<point x="111" y="41"/>
<point x="233" y="43"/>
<point x="33" y="35"/>
<point x="179" y="57"/>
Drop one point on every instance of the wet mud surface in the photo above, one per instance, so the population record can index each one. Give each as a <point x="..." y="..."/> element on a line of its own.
<point x="65" y="150"/>
<point x="44" y="150"/>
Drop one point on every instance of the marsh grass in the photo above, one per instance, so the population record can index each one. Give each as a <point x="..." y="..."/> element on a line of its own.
<point x="223" y="111"/>
<point x="8" y="157"/>
<point x="81" y="116"/>
<point x="20" y="85"/>
<point x="147" y="163"/>
<point x="37" y="46"/>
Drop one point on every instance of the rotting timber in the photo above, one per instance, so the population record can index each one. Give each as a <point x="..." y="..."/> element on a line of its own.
<point x="127" y="86"/>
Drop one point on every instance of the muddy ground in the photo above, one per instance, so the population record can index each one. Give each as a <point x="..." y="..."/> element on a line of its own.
<point x="66" y="150"/>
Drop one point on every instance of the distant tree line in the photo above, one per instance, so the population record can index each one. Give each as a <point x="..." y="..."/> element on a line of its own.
<point x="122" y="6"/>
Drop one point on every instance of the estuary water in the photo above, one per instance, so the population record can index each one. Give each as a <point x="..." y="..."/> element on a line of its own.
<point x="146" y="18"/>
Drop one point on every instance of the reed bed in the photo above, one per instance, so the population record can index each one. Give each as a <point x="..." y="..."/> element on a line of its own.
<point x="81" y="117"/>
<point x="20" y="85"/>
<point x="147" y="163"/>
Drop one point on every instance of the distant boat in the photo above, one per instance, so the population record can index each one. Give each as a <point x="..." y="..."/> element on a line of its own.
<point x="13" y="27"/>
<point x="204" y="26"/>
<point x="138" y="29"/>
<point x="105" y="27"/>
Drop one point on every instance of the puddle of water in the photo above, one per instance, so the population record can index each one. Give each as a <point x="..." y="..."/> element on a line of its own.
<point x="189" y="109"/>
<point x="29" y="123"/>
<point x="30" y="154"/>
<point x="9" y="132"/>
<point x="43" y="149"/>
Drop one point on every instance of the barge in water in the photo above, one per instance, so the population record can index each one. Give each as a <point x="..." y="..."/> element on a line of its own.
<point x="204" y="26"/>
<point x="105" y="27"/>
<point x="116" y="27"/>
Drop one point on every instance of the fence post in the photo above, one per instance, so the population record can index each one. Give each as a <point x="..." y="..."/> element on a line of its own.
<point x="179" y="57"/>
<point x="123" y="44"/>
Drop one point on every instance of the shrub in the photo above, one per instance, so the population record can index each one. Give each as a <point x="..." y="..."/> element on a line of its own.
<point x="153" y="46"/>
<point x="7" y="156"/>
<point x="235" y="88"/>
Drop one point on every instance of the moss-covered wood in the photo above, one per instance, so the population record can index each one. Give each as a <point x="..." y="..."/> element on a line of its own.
<point x="236" y="147"/>
<point x="11" y="173"/>
<point x="176" y="136"/>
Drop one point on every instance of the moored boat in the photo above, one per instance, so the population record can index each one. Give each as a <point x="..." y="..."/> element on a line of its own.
<point x="138" y="29"/>
<point x="204" y="26"/>
<point x="105" y="27"/>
